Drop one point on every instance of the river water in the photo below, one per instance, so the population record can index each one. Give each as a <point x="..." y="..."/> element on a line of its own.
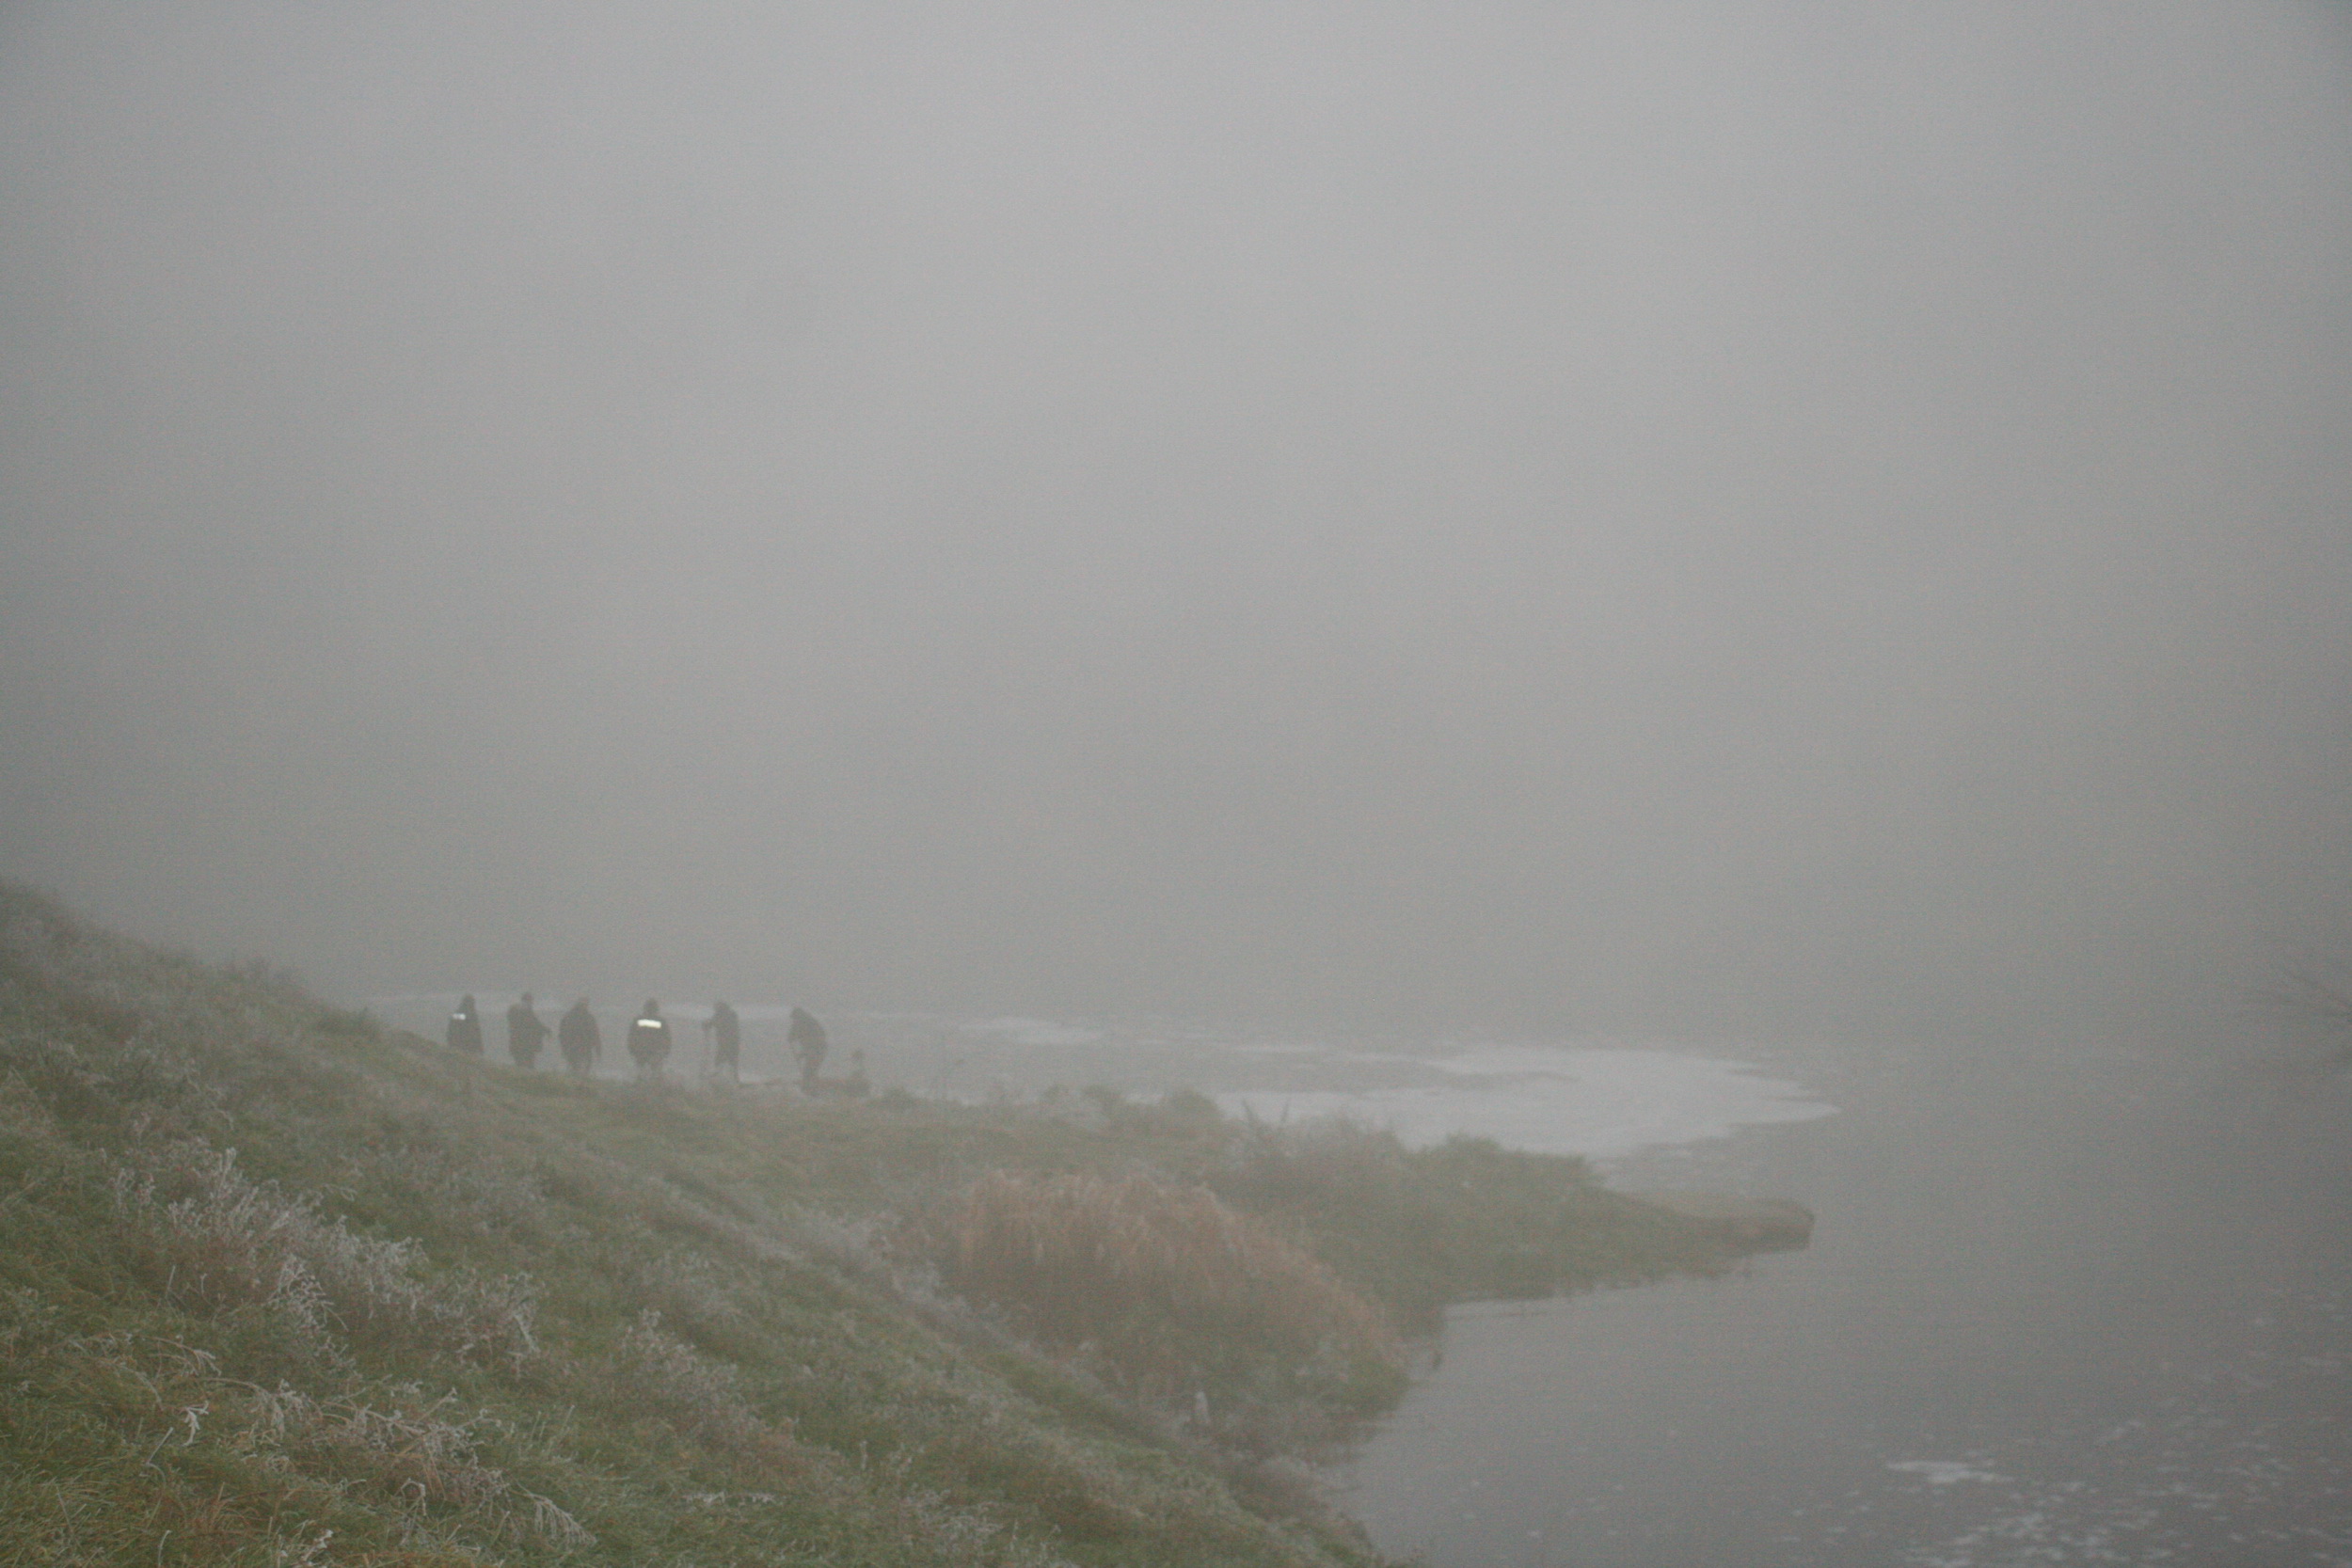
<point x="2064" y="1305"/>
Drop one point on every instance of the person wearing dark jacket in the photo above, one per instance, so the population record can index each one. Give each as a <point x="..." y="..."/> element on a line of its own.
<point x="650" y="1040"/>
<point x="808" y="1043"/>
<point x="726" y="1046"/>
<point x="525" y="1034"/>
<point x="465" y="1028"/>
<point x="581" y="1042"/>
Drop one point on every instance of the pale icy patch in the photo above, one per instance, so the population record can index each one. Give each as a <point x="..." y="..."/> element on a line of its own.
<point x="1945" y="1472"/>
<point x="1594" y="1101"/>
<point x="1034" y="1030"/>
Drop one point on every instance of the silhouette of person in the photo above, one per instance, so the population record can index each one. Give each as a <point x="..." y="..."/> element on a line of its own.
<point x="581" y="1042"/>
<point x="650" y="1040"/>
<point x="525" y="1034"/>
<point x="808" y="1041"/>
<point x="726" y="1048"/>
<point x="465" y="1028"/>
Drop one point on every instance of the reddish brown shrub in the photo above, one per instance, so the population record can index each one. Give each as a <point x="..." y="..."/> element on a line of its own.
<point x="1165" y="1283"/>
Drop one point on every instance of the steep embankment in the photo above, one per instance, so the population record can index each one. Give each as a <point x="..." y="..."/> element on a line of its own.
<point x="278" y="1287"/>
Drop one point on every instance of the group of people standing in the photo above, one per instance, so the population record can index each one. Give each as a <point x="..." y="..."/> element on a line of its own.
<point x="650" y="1040"/>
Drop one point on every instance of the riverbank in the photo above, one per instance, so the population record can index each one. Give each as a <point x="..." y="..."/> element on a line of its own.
<point x="279" y="1285"/>
<point x="2074" y="1304"/>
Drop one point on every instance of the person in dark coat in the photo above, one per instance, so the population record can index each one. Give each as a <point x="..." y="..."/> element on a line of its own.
<point x="808" y="1043"/>
<point x="650" y="1040"/>
<point x="580" y="1040"/>
<point x="465" y="1028"/>
<point x="525" y="1034"/>
<point x="726" y="1044"/>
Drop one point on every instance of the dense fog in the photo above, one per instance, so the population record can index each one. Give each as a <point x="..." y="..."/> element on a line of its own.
<point x="1726" y="519"/>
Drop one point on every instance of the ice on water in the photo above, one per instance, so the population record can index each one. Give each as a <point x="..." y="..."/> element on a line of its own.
<point x="1593" y="1099"/>
<point x="1557" y="1100"/>
<point x="1945" y="1472"/>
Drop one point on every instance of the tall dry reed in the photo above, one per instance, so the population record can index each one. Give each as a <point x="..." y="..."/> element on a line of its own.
<point x="1165" y="1283"/>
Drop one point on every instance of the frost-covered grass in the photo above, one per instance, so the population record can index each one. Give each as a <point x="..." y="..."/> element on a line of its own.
<point x="279" y="1287"/>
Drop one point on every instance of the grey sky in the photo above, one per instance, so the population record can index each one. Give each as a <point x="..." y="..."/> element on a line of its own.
<point x="1725" y="519"/>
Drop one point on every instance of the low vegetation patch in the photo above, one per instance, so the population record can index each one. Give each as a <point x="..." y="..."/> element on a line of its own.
<point x="1465" y="1219"/>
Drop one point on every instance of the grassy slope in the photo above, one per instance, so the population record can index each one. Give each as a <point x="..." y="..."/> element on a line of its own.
<point x="433" y="1312"/>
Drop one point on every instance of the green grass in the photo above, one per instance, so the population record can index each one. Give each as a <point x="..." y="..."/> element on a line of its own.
<point x="280" y="1287"/>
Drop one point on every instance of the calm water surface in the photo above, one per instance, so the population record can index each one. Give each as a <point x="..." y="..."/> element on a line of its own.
<point x="2066" y="1307"/>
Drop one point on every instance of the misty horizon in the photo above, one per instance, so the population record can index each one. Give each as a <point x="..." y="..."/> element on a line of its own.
<point x="1714" y="519"/>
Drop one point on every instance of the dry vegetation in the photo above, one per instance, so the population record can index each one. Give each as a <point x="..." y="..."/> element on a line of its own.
<point x="276" y="1288"/>
<point x="1170" y="1295"/>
